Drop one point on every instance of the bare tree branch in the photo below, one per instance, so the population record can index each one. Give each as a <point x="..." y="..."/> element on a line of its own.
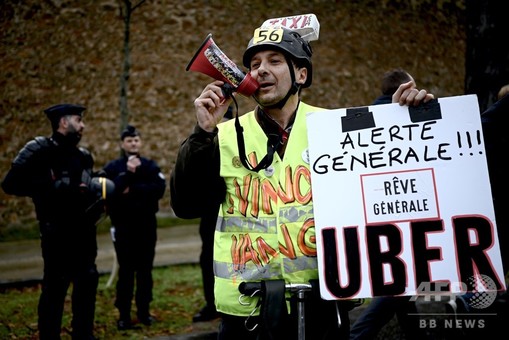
<point x="126" y="10"/>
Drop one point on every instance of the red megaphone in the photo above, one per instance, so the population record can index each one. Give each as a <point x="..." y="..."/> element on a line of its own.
<point x="210" y="60"/>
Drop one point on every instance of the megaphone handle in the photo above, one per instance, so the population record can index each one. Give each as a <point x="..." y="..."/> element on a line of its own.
<point x="227" y="90"/>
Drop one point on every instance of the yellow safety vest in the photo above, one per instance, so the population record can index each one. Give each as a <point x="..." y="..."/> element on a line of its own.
<point x="265" y="228"/>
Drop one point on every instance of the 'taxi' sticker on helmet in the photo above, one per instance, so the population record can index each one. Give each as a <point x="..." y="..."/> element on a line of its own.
<point x="271" y="35"/>
<point x="306" y="25"/>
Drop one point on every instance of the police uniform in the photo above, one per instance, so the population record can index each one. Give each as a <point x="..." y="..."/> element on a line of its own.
<point x="133" y="215"/>
<point x="56" y="174"/>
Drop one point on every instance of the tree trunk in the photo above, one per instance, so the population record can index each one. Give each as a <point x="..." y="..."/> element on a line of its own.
<point x="126" y="67"/>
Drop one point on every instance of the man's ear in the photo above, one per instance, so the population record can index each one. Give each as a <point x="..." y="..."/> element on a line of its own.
<point x="302" y="75"/>
<point x="63" y="122"/>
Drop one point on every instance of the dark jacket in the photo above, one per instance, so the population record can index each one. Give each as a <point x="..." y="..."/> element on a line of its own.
<point x="146" y="188"/>
<point x="196" y="189"/>
<point x="383" y="99"/>
<point x="55" y="174"/>
<point x="494" y="125"/>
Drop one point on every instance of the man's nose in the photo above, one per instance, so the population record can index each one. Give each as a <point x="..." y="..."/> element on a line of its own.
<point x="262" y="69"/>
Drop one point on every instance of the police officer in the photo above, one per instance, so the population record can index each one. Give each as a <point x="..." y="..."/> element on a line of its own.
<point x="255" y="167"/>
<point x="140" y="185"/>
<point x="68" y="200"/>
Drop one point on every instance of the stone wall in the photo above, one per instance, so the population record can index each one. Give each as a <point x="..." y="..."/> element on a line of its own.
<point x="66" y="51"/>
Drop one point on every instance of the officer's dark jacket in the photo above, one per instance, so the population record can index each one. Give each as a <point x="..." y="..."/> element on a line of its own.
<point x="52" y="171"/>
<point x="494" y="124"/>
<point x="146" y="188"/>
<point x="383" y="99"/>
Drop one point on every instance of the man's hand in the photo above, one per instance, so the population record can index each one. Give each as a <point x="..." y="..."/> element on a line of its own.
<point x="211" y="106"/>
<point x="407" y="94"/>
<point x="132" y="163"/>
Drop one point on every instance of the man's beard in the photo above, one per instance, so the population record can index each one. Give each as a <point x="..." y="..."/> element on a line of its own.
<point x="73" y="137"/>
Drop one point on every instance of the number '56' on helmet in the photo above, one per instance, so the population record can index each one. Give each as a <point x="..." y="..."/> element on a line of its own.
<point x="283" y="40"/>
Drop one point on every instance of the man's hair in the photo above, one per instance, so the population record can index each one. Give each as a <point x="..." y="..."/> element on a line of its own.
<point x="55" y="123"/>
<point x="392" y="79"/>
<point x="129" y="131"/>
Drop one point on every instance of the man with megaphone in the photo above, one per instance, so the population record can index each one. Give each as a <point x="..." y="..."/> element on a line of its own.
<point x="256" y="167"/>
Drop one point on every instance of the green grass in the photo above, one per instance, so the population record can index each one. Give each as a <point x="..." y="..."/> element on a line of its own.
<point x="177" y="293"/>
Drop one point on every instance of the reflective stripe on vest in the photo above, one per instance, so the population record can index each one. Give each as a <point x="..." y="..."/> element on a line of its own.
<point x="265" y="229"/>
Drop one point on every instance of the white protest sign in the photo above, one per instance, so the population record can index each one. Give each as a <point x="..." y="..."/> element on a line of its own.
<point x="402" y="198"/>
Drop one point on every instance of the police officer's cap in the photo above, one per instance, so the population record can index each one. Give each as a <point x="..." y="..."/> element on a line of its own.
<point x="129" y="131"/>
<point x="55" y="112"/>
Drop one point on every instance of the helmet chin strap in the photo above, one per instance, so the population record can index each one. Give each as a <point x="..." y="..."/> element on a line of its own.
<point x="280" y="104"/>
<point x="272" y="144"/>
